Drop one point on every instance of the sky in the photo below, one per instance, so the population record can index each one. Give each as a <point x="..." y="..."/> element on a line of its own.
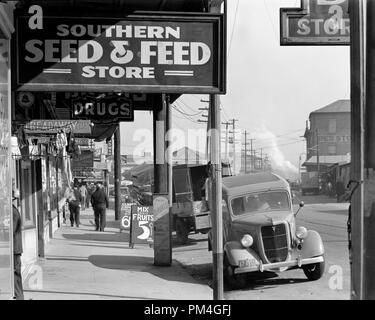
<point x="271" y="89"/>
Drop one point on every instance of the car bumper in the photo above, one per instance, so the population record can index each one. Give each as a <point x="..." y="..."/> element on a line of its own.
<point x="272" y="266"/>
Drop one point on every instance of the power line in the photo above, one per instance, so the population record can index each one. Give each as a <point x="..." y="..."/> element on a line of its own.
<point x="186" y="114"/>
<point x="233" y="28"/>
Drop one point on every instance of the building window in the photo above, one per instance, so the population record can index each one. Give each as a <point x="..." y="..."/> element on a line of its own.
<point x="332" y="150"/>
<point x="332" y="125"/>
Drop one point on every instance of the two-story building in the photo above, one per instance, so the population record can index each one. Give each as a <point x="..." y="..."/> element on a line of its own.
<point x="327" y="137"/>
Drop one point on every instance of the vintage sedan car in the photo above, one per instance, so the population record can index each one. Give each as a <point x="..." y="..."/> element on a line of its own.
<point x="260" y="232"/>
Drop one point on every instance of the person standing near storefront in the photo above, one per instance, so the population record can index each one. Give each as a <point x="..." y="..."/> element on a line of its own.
<point x="99" y="202"/>
<point x="17" y="247"/>
<point x="74" y="201"/>
<point x="83" y="191"/>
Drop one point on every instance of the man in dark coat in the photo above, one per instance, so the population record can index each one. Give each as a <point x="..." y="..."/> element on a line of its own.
<point x="99" y="202"/>
<point x="17" y="248"/>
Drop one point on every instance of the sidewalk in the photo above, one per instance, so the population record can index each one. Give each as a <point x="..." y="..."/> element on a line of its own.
<point x="83" y="264"/>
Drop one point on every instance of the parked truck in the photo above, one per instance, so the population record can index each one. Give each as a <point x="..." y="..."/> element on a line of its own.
<point x="309" y="182"/>
<point x="190" y="210"/>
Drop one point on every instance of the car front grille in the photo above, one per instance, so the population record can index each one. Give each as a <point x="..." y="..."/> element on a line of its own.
<point x="275" y="242"/>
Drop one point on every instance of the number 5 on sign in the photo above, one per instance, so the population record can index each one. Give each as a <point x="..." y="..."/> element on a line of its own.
<point x="146" y="230"/>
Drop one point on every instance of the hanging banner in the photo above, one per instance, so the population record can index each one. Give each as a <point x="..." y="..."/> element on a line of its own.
<point x="141" y="226"/>
<point x="49" y="127"/>
<point x="148" y="53"/>
<point x="317" y="22"/>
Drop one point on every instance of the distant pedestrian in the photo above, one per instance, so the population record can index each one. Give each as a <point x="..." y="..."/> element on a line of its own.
<point x="83" y="191"/>
<point x="90" y="191"/>
<point x="99" y="202"/>
<point x="74" y="200"/>
<point x="17" y="247"/>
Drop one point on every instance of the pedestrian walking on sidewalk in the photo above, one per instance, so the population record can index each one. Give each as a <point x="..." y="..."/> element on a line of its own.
<point x="99" y="202"/>
<point x="74" y="201"/>
<point x="90" y="190"/>
<point x="83" y="191"/>
<point x="17" y="247"/>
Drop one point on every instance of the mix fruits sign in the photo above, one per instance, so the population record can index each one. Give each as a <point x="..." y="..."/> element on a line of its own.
<point x="318" y="22"/>
<point x="137" y="53"/>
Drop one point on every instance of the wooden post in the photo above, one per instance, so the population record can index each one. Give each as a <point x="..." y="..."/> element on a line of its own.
<point x="117" y="160"/>
<point x="216" y="211"/>
<point x="357" y="11"/>
<point x="162" y="230"/>
<point x="369" y="155"/>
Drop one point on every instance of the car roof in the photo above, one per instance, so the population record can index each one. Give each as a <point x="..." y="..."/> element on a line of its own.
<point x="253" y="182"/>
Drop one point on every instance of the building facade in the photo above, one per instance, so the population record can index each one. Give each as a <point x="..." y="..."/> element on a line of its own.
<point x="327" y="136"/>
<point x="6" y="255"/>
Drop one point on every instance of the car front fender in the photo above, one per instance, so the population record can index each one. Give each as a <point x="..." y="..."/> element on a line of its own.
<point x="235" y="252"/>
<point x="312" y="245"/>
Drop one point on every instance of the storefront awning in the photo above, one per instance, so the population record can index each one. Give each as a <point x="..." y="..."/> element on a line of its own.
<point x="327" y="160"/>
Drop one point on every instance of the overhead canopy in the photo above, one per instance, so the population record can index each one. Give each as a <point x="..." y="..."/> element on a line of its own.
<point x="327" y="160"/>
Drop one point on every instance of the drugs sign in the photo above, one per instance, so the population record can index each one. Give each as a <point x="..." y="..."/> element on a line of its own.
<point x="107" y="110"/>
<point x="148" y="53"/>
<point x="318" y="22"/>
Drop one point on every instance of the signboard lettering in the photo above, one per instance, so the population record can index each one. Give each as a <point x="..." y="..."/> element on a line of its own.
<point x="54" y="126"/>
<point x="318" y="22"/>
<point x="175" y="53"/>
<point x="141" y="227"/>
<point x="110" y="110"/>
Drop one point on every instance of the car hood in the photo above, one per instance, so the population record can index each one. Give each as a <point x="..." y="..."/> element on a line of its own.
<point x="263" y="218"/>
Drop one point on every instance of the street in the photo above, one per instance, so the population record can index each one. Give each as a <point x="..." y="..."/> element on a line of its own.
<point x="320" y="213"/>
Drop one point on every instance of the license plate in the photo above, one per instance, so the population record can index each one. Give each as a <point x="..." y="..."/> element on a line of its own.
<point x="247" y="263"/>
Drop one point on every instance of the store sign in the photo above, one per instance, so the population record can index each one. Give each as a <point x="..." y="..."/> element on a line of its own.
<point x="141" y="227"/>
<point x="100" y="165"/>
<point x="113" y="109"/>
<point x="25" y="99"/>
<point x="318" y="22"/>
<point x="84" y="160"/>
<point x="151" y="53"/>
<point x="334" y="139"/>
<point x="49" y="127"/>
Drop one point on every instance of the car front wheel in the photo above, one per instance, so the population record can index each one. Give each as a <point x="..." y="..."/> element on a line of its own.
<point x="236" y="281"/>
<point x="314" y="271"/>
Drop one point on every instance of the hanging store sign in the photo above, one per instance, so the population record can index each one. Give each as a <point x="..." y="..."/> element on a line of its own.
<point x="84" y="160"/>
<point x="48" y="127"/>
<point x="112" y="109"/>
<point x="318" y="22"/>
<point x="150" y="53"/>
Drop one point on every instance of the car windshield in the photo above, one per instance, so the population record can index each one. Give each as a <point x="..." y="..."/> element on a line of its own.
<point x="264" y="201"/>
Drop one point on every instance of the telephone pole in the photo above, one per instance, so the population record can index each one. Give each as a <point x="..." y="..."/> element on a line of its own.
<point x="208" y="127"/>
<point x="251" y="155"/>
<point x="226" y="138"/>
<point x="233" y="123"/>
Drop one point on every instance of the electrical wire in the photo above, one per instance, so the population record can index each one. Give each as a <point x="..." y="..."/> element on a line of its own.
<point x="233" y="27"/>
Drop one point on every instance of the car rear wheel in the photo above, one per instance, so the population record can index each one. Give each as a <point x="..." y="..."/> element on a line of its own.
<point x="235" y="281"/>
<point x="314" y="271"/>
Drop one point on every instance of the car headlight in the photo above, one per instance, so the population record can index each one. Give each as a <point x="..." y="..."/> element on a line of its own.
<point x="247" y="241"/>
<point x="301" y="233"/>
